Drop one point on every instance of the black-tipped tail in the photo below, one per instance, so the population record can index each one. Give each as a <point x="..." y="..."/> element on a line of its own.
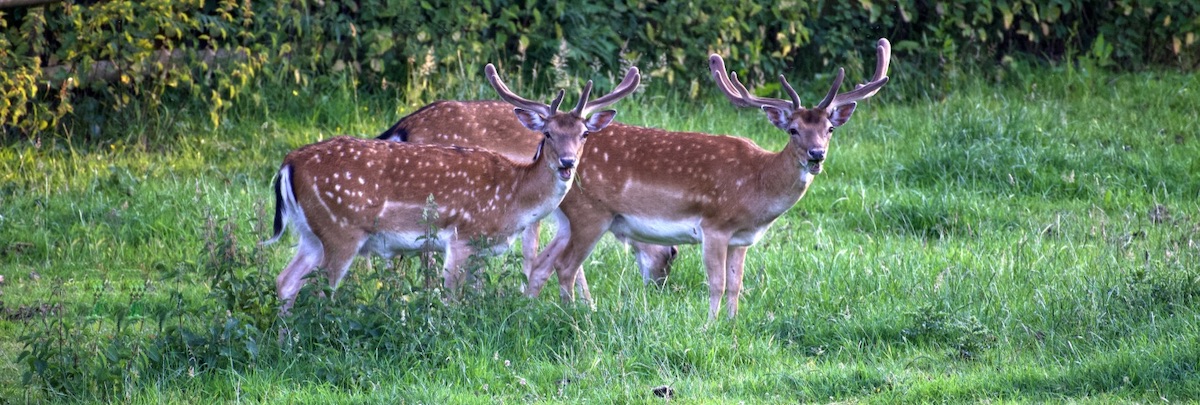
<point x="284" y="174"/>
<point x="278" y="210"/>
<point x="399" y="131"/>
<point x="395" y="134"/>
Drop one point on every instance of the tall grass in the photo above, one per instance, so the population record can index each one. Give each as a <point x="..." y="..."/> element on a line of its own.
<point x="1030" y="238"/>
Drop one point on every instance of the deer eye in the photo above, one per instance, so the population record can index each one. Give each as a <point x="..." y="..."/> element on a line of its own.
<point x="547" y="133"/>
<point x="585" y="134"/>
<point x="794" y="132"/>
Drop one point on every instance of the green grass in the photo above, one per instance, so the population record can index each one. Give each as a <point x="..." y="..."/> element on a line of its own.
<point x="1034" y="239"/>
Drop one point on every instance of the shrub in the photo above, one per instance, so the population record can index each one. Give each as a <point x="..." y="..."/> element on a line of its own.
<point x="69" y="64"/>
<point x="85" y="60"/>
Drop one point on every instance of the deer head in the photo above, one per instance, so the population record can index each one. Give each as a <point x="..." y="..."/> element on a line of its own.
<point x="564" y="131"/>
<point x="809" y="128"/>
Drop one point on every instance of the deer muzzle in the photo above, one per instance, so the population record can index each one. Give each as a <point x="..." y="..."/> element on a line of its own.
<point x="565" y="167"/>
<point x="815" y="158"/>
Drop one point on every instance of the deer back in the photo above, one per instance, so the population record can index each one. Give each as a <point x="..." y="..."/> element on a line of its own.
<point x="676" y="175"/>
<point x="482" y="124"/>
<point x="368" y="186"/>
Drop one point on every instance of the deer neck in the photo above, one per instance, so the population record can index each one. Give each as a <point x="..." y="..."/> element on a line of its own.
<point x="787" y="173"/>
<point x="538" y="187"/>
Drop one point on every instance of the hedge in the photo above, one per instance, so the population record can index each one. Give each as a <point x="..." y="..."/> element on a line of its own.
<point x="69" y="64"/>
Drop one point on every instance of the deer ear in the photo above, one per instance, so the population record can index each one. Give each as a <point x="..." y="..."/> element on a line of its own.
<point x="530" y="119"/>
<point x="600" y="120"/>
<point x="842" y="114"/>
<point x="777" y="116"/>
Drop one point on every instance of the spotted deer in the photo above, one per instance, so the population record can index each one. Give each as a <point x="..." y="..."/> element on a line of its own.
<point x="474" y="124"/>
<point x="348" y="196"/>
<point x="721" y="192"/>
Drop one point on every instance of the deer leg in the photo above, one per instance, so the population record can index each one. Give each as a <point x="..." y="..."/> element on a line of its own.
<point x="563" y="256"/>
<point x="546" y="258"/>
<point x="734" y="264"/>
<point x="337" y="261"/>
<point x="308" y="254"/>
<point x="457" y="253"/>
<point x="581" y="287"/>
<point x="539" y="272"/>
<point x="570" y="262"/>
<point x="715" y="246"/>
<point x="529" y="247"/>
<point x="543" y="266"/>
<point x="557" y="245"/>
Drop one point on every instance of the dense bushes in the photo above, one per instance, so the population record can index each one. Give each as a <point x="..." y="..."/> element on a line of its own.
<point x="68" y="64"/>
<point x="86" y="59"/>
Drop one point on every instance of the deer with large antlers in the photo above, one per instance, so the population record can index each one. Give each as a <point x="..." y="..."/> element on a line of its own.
<point x="473" y="124"/>
<point x="717" y="191"/>
<point x="348" y="196"/>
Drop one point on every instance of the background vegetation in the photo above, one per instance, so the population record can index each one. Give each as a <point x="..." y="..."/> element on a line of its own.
<point x="70" y="64"/>
<point x="1013" y="218"/>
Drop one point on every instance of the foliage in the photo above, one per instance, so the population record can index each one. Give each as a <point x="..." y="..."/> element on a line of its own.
<point x="69" y="65"/>
<point x="945" y="39"/>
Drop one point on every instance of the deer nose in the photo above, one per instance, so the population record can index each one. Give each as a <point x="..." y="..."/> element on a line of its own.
<point x="816" y="154"/>
<point x="567" y="163"/>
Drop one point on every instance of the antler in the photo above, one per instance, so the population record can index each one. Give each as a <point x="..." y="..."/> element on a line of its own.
<point x="837" y="83"/>
<point x="583" y="108"/>
<point x="739" y="96"/>
<point x="865" y="90"/>
<point x="583" y="98"/>
<point x="625" y="88"/>
<point x="737" y="93"/>
<point x="518" y="101"/>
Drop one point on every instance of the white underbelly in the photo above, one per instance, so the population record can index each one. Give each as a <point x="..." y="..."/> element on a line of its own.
<point x="658" y="231"/>
<point x="389" y="244"/>
<point x="748" y="237"/>
<point x="676" y="232"/>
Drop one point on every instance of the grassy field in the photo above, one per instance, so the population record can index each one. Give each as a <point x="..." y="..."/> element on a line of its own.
<point x="1031" y="239"/>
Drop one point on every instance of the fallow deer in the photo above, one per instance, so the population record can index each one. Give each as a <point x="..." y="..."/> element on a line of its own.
<point x="721" y="192"/>
<point x="474" y="124"/>
<point x="349" y="196"/>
